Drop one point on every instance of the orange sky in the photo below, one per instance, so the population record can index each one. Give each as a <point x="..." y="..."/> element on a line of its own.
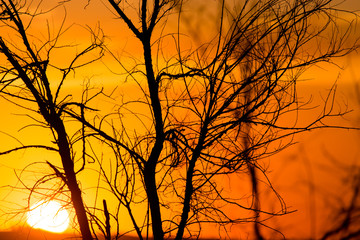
<point x="290" y="170"/>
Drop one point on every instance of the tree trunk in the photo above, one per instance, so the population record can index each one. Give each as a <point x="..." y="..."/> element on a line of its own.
<point x="150" y="166"/>
<point x="72" y="184"/>
<point x="189" y="188"/>
<point x="153" y="198"/>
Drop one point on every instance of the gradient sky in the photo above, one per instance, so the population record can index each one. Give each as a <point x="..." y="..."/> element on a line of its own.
<point x="292" y="171"/>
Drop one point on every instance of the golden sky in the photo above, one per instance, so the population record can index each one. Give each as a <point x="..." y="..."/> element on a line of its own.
<point x="292" y="171"/>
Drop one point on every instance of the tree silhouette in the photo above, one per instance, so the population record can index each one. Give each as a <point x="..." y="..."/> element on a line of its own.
<point x="345" y="215"/>
<point x="26" y="72"/>
<point x="202" y="115"/>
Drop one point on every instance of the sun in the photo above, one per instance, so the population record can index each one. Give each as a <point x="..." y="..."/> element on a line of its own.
<point x="49" y="216"/>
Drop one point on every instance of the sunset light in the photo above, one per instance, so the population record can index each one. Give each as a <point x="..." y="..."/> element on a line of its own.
<point x="172" y="119"/>
<point x="48" y="216"/>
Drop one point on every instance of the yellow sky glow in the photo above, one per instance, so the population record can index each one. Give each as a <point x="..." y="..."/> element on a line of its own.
<point x="125" y="45"/>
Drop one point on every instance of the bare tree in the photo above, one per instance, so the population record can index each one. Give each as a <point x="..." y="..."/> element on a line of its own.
<point x="199" y="108"/>
<point x="203" y="115"/>
<point x="344" y="205"/>
<point x="345" y="213"/>
<point x="25" y="80"/>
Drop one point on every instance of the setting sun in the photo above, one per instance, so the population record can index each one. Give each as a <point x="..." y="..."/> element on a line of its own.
<point x="49" y="216"/>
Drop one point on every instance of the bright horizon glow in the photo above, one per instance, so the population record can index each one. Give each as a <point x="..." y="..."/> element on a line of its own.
<point x="49" y="216"/>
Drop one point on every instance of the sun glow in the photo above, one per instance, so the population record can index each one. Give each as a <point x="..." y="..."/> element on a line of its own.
<point x="49" y="216"/>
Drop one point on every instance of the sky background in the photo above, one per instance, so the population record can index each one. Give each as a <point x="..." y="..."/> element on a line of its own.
<point x="305" y="174"/>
